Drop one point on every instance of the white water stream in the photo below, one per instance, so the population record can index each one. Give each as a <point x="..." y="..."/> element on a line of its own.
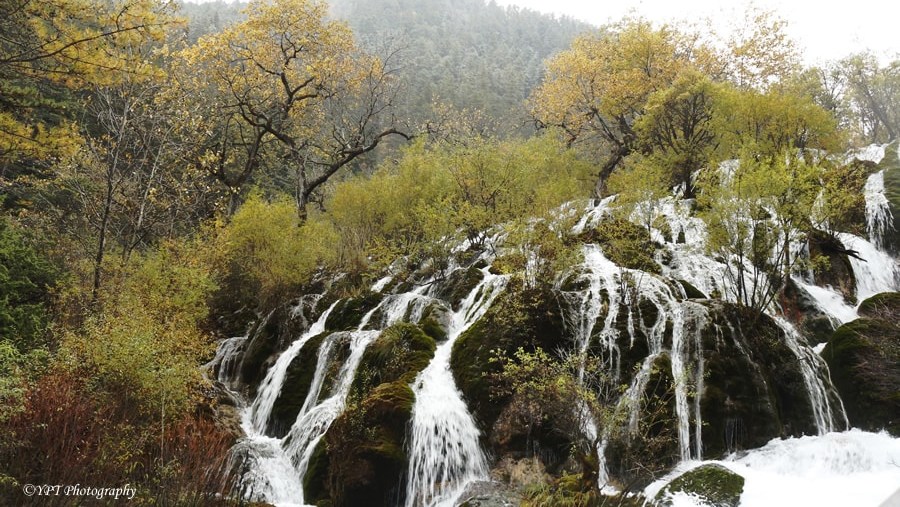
<point x="444" y="452"/>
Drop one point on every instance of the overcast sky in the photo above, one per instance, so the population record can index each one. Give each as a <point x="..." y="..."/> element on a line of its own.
<point x="825" y="29"/>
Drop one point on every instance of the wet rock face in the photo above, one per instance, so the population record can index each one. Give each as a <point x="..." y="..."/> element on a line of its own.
<point x="518" y="318"/>
<point x="891" y="166"/>
<point x="298" y="380"/>
<point x="800" y="307"/>
<point x="714" y="484"/>
<point x="754" y="390"/>
<point x="864" y="359"/>
<point x="362" y="456"/>
<point x="270" y="336"/>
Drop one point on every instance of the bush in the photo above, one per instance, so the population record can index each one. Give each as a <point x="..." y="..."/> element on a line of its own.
<point x="265" y="253"/>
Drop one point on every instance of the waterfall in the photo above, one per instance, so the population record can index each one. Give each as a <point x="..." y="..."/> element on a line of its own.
<point x="444" y="452"/>
<point x="875" y="271"/>
<point x="273" y="382"/>
<point x="879" y="218"/>
<point x="317" y="416"/>
<point x="812" y="367"/>
<point x="227" y="360"/>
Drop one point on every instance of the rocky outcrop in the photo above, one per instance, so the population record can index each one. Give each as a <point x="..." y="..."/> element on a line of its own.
<point x="864" y="359"/>
<point x="712" y="484"/>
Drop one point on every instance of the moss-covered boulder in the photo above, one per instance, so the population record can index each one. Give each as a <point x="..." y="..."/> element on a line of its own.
<point x="714" y="484"/>
<point x="366" y="455"/>
<point x="458" y="284"/>
<point x="519" y="317"/>
<point x="363" y="453"/>
<point x="268" y="337"/>
<point x="864" y="359"/>
<point x="399" y="353"/>
<point x="625" y="243"/>
<point x="348" y="313"/>
<point x="753" y="387"/>
<point x="436" y="321"/>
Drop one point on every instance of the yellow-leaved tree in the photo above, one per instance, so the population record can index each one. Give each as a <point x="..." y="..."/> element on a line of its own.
<point x="596" y="90"/>
<point x="48" y="49"/>
<point x="286" y="91"/>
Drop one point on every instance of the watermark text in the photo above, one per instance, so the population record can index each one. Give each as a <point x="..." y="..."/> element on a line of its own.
<point x="126" y="492"/>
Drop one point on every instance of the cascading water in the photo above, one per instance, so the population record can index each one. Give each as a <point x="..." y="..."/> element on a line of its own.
<point x="273" y="382"/>
<point x="812" y="368"/>
<point x="444" y="453"/>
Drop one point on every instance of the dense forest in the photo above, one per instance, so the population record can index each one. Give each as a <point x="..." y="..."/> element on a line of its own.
<point x="175" y="176"/>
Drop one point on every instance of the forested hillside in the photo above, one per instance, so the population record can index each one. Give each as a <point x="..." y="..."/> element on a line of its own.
<point x="466" y="53"/>
<point x="416" y="252"/>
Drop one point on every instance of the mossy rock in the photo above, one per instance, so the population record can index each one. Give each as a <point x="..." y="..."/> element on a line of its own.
<point x="348" y="313"/>
<point x="753" y="386"/>
<point x="864" y="359"/>
<point x="366" y="457"/>
<point x="690" y="291"/>
<point x="714" y="484"/>
<point x="398" y="354"/>
<point x="315" y="482"/>
<point x="436" y="321"/>
<point x="366" y="448"/>
<point x="881" y="306"/>
<point x="458" y="285"/>
<point x="297" y="381"/>
<point x="519" y="317"/>
<point x="268" y="337"/>
<point x="625" y="243"/>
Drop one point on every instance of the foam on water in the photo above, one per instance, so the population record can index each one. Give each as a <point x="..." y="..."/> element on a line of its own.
<point x="832" y="470"/>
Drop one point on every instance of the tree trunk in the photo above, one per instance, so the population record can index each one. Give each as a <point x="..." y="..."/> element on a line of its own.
<point x="601" y="190"/>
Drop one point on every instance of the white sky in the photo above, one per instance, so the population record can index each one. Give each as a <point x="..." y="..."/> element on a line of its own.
<point x="824" y="29"/>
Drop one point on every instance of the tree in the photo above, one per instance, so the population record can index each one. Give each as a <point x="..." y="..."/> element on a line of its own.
<point x="759" y="52"/>
<point x="679" y="128"/>
<point x="49" y="48"/>
<point x="755" y="215"/>
<point x="873" y="93"/>
<point x="595" y="91"/>
<point x="286" y="90"/>
<point x="768" y="124"/>
<point x="640" y="185"/>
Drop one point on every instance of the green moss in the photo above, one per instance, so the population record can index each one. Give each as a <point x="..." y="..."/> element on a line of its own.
<point x="863" y="357"/>
<point x="348" y="313"/>
<point x="714" y="484"/>
<point x="365" y="445"/>
<point x="518" y="318"/>
<point x="624" y="243"/>
<point x="458" y="285"/>
<point x="315" y="482"/>
<point x="399" y="353"/>
<point x="881" y="304"/>
<point x="753" y="387"/>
